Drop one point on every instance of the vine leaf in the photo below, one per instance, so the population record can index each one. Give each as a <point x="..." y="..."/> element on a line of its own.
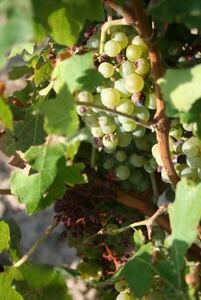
<point x="64" y="20"/>
<point x="77" y="73"/>
<point x="47" y="177"/>
<point x="5" y="236"/>
<point x="60" y="114"/>
<point x="139" y="282"/>
<point x="6" y="117"/>
<point x="6" y="290"/>
<point x="185" y="214"/>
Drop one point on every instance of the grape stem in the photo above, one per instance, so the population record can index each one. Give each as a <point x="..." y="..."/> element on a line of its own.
<point x="149" y="125"/>
<point x="106" y="26"/>
<point x="39" y="241"/>
<point x="134" y="14"/>
<point x="5" y="192"/>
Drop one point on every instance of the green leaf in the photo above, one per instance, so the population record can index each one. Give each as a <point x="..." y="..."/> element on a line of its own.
<point x="182" y="87"/>
<point x="6" y="117"/>
<point x="77" y="73"/>
<point x="16" y="15"/>
<point x="29" y="132"/>
<point x="138" y="281"/>
<point x="139" y="239"/>
<point x="42" y="282"/>
<point x="64" y="20"/>
<point x="5" y="236"/>
<point x="42" y="73"/>
<point x="188" y="13"/>
<point x="20" y="48"/>
<point x="15" y="237"/>
<point x="6" y="290"/>
<point x="60" y="114"/>
<point x="185" y="215"/>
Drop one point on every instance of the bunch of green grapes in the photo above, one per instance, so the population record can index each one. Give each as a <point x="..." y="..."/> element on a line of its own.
<point x="127" y="89"/>
<point x="185" y="149"/>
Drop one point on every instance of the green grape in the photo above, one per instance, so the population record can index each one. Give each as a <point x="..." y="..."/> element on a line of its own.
<point x="121" y="286"/>
<point x="110" y="141"/>
<point x="123" y="120"/>
<point x="137" y="40"/>
<point x="156" y="154"/>
<point x="97" y="101"/>
<point x="191" y="147"/>
<point x="121" y="38"/>
<point x="108" y="164"/>
<point x="142" y="144"/>
<point x="126" y="68"/>
<point x="142" y="66"/>
<point x="164" y="175"/>
<point x="85" y="96"/>
<point x="129" y="126"/>
<point x="199" y="173"/>
<point x="139" y="132"/>
<point x="110" y="128"/>
<point x="97" y="132"/>
<point x="177" y="146"/>
<point x="136" y="176"/>
<point x="151" y="101"/>
<point x="189" y="173"/>
<point x="125" y="106"/>
<point x="194" y="162"/>
<point x="119" y="85"/>
<point x="124" y="138"/>
<point x="82" y="110"/>
<point x="143" y="115"/>
<point x="104" y="120"/>
<point x="123" y="296"/>
<point x="110" y="97"/>
<point x="150" y="166"/>
<point x="134" y="83"/>
<point x="142" y="185"/>
<point x="122" y="172"/>
<point x="121" y="155"/>
<point x="91" y="119"/>
<point x="106" y="69"/>
<point x="137" y="160"/>
<point x="188" y="127"/>
<point x="176" y="132"/>
<point x="112" y="48"/>
<point x="93" y="43"/>
<point x="179" y="168"/>
<point x="133" y="52"/>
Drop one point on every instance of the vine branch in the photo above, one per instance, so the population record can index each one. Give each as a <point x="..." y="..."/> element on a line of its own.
<point x="39" y="241"/>
<point x="149" y="125"/>
<point x="135" y="14"/>
<point x="5" y="192"/>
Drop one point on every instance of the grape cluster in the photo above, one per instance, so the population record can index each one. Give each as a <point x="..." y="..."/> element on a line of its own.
<point x="127" y="89"/>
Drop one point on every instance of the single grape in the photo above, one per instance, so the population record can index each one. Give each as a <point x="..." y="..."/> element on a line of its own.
<point x="125" y="106"/>
<point x="104" y="119"/>
<point x="189" y="173"/>
<point x="191" y="147"/>
<point x="188" y="127"/>
<point x="85" y="96"/>
<point x="151" y="101"/>
<point x="82" y="110"/>
<point x="108" y="164"/>
<point x="177" y="146"/>
<point x="122" y="172"/>
<point x="164" y="175"/>
<point x="142" y="144"/>
<point x="91" y="119"/>
<point x="129" y="126"/>
<point x="176" y="132"/>
<point x="142" y="66"/>
<point x="93" y="43"/>
<point x="123" y="296"/>
<point x="97" y="132"/>
<point x="106" y="69"/>
<point x="119" y="85"/>
<point x="124" y="138"/>
<point x="138" y="99"/>
<point x="121" y="156"/>
<point x="156" y="154"/>
<point x="110" y="97"/>
<point x="126" y="69"/>
<point x="123" y="120"/>
<point x="134" y="83"/>
<point x="143" y="115"/>
<point x="137" y="160"/>
<point x="112" y="48"/>
<point x="110" y="128"/>
<point x="133" y="52"/>
<point x="194" y="162"/>
<point x="137" y="40"/>
<point x="139" y="132"/>
<point x="150" y="166"/>
<point x="121" y="38"/>
<point x="110" y="141"/>
<point x="121" y="286"/>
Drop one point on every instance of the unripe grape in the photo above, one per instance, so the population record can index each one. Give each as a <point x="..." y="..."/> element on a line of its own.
<point x="90" y="119"/>
<point x="137" y="160"/>
<point x="110" y="97"/>
<point x="85" y="96"/>
<point x="104" y="119"/>
<point x="137" y="40"/>
<point x="194" y="162"/>
<point x="191" y="147"/>
<point x="134" y="83"/>
<point x="123" y="296"/>
<point x="108" y="164"/>
<point x="133" y="52"/>
<point x="97" y="132"/>
<point x="129" y="126"/>
<point x="112" y="48"/>
<point x="142" y="144"/>
<point x="121" y="38"/>
<point x="139" y="132"/>
<point x="176" y="132"/>
<point x="164" y="175"/>
<point x="121" y="285"/>
<point x="106" y="69"/>
<point x="142" y="66"/>
<point x="110" y="141"/>
<point x="119" y="85"/>
<point x="189" y="173"/>
<point x="143" y="115"/>
<point x="121" y="155"/>
<point x="122" y="172"/>
<point x="110" y="128"/>
<point x="156" y="154"/>
<point x="124" y="138"/>
<point x="151" y="101"/>
<point x="93" y="43"/>
<point x="126" y="69"/>
<point x="125" y="106"/>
